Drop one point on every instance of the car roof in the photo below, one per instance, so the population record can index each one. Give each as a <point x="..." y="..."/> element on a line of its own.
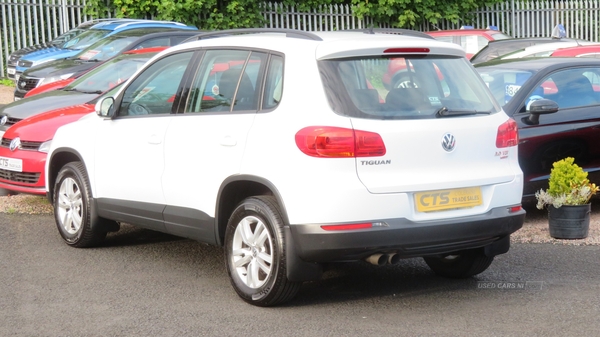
<point x="153" y="32"/>
<point x="506" y="46"/>
<point x="577" y="50"/>
<point x="543" y="47"/>
<point x="463" y="32"/>
<point x="538" y="63"/>
<point x="326" y="44"/>
<point x="556" y="45"/>
<point x="131" y="24"/>
<point x="94" y="22"/>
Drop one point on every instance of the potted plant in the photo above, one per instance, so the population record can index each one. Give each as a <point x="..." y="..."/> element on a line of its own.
<point x="568" y="200"/>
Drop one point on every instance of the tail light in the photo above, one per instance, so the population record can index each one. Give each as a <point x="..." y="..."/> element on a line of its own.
<point x="334" y="142"/>
<point x="508" y="134"/>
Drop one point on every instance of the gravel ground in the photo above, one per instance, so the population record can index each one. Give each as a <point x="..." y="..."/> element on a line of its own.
<point x="535" y="229"/>
<point x="6" y="94"/>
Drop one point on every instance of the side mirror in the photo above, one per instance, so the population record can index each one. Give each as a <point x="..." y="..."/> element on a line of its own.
<point x="104" y="107"/>
<point x="539" y="107"/>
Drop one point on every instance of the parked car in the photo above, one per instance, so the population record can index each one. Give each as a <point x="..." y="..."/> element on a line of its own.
<point x="25" y="145"/>
<point x="592" y="51"/>
<point x="294" y="162"/>
<point x="496" y="49"/>
<point x="100" y="51"/>
<point x="55" y="44"/>
<point x="84" y="40"/>
<point x="81" y="90"/>
<point x="472" y="40"/>
<point x="499" y="48"/>
<point x="542" y="50"/>
<point x="556" y="104"/>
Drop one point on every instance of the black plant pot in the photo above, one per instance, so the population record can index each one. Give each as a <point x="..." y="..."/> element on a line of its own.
<point x="569" y="222"/>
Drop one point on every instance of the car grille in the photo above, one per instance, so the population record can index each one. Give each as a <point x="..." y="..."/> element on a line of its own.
<point x="20" y="177"/>
<point x="25" y="145"/>
<point x="10" y="121"/>
<point x="26" y="84"/>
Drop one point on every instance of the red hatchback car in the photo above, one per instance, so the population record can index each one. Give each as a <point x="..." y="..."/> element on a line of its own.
<point x="472" y="40"/>
<point x="25" y="144"/>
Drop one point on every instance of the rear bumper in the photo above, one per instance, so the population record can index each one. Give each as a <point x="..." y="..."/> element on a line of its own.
<point x="406" y="238"/>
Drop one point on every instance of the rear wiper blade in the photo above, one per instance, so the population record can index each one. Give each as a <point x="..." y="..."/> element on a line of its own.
<point x="445" y="112"/>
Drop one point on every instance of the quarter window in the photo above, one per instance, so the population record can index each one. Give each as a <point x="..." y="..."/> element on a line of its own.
<point x="274" y="84"/>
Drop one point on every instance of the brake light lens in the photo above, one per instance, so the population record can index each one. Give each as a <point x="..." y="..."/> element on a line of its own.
<point x="335" y="142"/>
<point x="508" y="134"/>
<point x="406" y="50"/>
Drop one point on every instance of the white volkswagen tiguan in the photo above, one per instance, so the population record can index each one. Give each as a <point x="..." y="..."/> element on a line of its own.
<point x="294" y="149"/>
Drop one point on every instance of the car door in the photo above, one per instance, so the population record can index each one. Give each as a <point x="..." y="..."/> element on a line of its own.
<point x="219" y="112"/>
<point x="573" y="131"/>
<point x="134" y="149"/>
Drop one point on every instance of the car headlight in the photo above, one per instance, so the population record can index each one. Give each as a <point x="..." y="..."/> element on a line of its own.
<point x="55" y="78"/>
<point x="45" y="146"/>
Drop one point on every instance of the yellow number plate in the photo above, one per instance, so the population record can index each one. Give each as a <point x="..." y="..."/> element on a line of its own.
<point x="448" y="199"/>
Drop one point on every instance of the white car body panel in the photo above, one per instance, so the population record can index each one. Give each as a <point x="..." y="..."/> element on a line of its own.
<point x="134" y="153"/>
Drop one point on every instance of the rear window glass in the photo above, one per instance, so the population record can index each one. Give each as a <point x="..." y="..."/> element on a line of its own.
<point x="407" y="87"/>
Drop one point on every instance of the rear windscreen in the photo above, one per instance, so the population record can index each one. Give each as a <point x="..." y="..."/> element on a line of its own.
<point x="404" y="87"/>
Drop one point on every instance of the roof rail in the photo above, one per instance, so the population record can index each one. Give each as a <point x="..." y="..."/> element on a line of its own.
<point x="299" y="34"/>
<point x="397" y="31"/>
<point x="136" y="22"/>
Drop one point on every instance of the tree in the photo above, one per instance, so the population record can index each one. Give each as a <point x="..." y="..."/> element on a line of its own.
<point x="221" y="14"/>
<point x="412" y="13"/>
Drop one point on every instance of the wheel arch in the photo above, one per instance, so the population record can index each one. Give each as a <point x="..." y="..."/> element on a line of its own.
<point x="237" y="188"/>
<point x="59" y="158"/>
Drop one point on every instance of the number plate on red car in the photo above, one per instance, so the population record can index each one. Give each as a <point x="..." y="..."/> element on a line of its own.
<point x="11" y="164"/>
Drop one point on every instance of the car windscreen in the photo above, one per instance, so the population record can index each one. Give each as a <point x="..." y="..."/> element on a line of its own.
<point x="503" y="82"/>
<point x="61" y="40"/>
<point x="106" y="48"/>
<point x="85" y="39"/>
<point x="109" y="74"/>
<point x="405" y="87"/>
<point x="500" y="36"/>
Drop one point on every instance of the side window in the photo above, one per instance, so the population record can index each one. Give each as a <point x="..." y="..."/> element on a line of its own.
<point x="227" y="80"/>
<point x="154" y="90"/>
<point x="573" y="88"/>
<point x="445" y="38"/>
<point x="274" y="84"/>
<point x="473" y="43"/>
<point x="158" y="42"/>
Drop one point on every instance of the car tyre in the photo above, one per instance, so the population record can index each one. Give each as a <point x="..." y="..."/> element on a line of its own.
<point x="460" y="265"/>
<point x="255" y="253"/>
<point x="72" y="208"/>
